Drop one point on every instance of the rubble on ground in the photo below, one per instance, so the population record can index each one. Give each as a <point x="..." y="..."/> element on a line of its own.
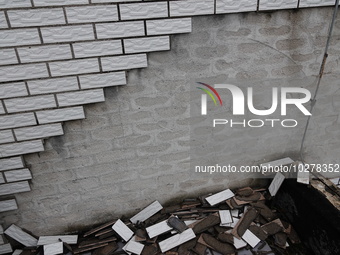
<point x="228" y="222"/>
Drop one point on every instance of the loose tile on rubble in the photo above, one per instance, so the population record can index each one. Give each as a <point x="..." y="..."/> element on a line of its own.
<point x="219" y="197"/>
<point x="122" y="230"/>
<point x="147" y="212"/>
<point x="177" y="240"/>
<point x="20" y="236"/>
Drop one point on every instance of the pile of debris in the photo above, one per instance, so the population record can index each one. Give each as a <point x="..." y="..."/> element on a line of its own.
<point x="224" y="223"/>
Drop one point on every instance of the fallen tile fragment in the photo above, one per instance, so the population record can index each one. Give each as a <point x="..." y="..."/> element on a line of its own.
<point x="134" y="247"/>
<point x="177" y="240"/>
<point x="276" y="184"/>
<point x="303" y="174"/>
<point x="5" y="248"/>
<point x="70" y="239"/>
<point x="250" y="238"/>
<point x="53" y="249"/>
<point x="158" y="229"/>
<point x="220" y="197"/>
<point x="147" y="212"/>
<point x="122" y="230"/>
<point x="20" y="236"/>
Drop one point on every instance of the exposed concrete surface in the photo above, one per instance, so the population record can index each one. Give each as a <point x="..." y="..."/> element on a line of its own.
<point x="134" y="148"/>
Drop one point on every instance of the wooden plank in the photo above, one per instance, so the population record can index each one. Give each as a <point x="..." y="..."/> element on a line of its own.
<point x="276" y="183"/>
<point x="106" y="250"/>
<point x="70" y="239"/>
<point x="122" y="230"/>
<point x="91" y="242"/>
<point x="92" y="231"/>
<point x="250" y="238"/>
<point x="158" y="229"/>
<point x="5" y="248"/>
<point x="220" y="197"/>
<point x="134" y="247"/>
<point x="22" y="237"/>
<point x="93" y="247"/>
<point x="104" y="232"/>
<point x="54" y="248"/>
<point x="147" y="212"/>
<point x="177" y="240"/>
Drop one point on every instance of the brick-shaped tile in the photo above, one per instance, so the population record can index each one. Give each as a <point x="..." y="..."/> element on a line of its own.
<point x="45" y="86"/>
<point x="230" y="6"/>
<point x="8" y="205"/>
<point x="40" y="131"/>
<point x="143" y="10"/>
<point x="97" y="48"/>
<point x="58" y="115"/>
<point x="191" y="7"/>
<point x="120" y="29"/>
<point x="30" y="103"/>
<point x="124" y="62"/>
<point x="18" y="175"/>
<point x="95" y="13"/>
<point x="58" y="2"/>
<point x="102" y="80"/>
<point x="168" y="26"/>
<point x="17" y="120"/>
<point x="313" y="3"/>
<point x="19" y="37"/>
<point x="11" y="163"/>
<point x="147" y="44"/>
<point x="36" y="17"/>
<point x="15" y="89"/>
<point x="12" y="188"/>
<point x="6" y="136"/>
<point x="277" y="5"/>
<point x="23" y="72"/>
<point x="63" y="68"/>
<point x="7" y="57"/>
<point x="81" y="97"/>
<point x="14" y="149"/>
<point x="14" y="4"/>
<point x="67" y="33"/>
<point x="3" y="22"/>
<point x="44" y="53"/>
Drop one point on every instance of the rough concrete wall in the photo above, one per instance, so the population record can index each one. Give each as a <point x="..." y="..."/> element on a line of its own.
<point x="134" y="147"/>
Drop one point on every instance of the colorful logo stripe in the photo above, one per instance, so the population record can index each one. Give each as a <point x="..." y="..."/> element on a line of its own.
<point x="210" y="94"/>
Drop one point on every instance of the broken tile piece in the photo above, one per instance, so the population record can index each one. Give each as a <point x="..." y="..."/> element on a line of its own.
<point x="147" y="212"/>
<point x="276" y="183"/>
<point x="220" y="197"/>
<point x="122" y="230"/>
<point x="225" y="217"/>
<point x="268" y="168"/>
<point x="69" y="239"/>
<point x="17" y="252"/>
<point x="239" y="243"/>
<point x="177" y="240"/>
<point x="22" y="237"/>
<point x="303" y="174"/>
<point x="158" y="229"/>
<point x="5" y="248"/>
<point x="250" y="238"/>
<point x="54" y="248"/>
<point x="134" y="247"/>
<point x="177" y="224"/>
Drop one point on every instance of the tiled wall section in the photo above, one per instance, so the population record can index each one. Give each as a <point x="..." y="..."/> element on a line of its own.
<point x="57" y="55"/>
